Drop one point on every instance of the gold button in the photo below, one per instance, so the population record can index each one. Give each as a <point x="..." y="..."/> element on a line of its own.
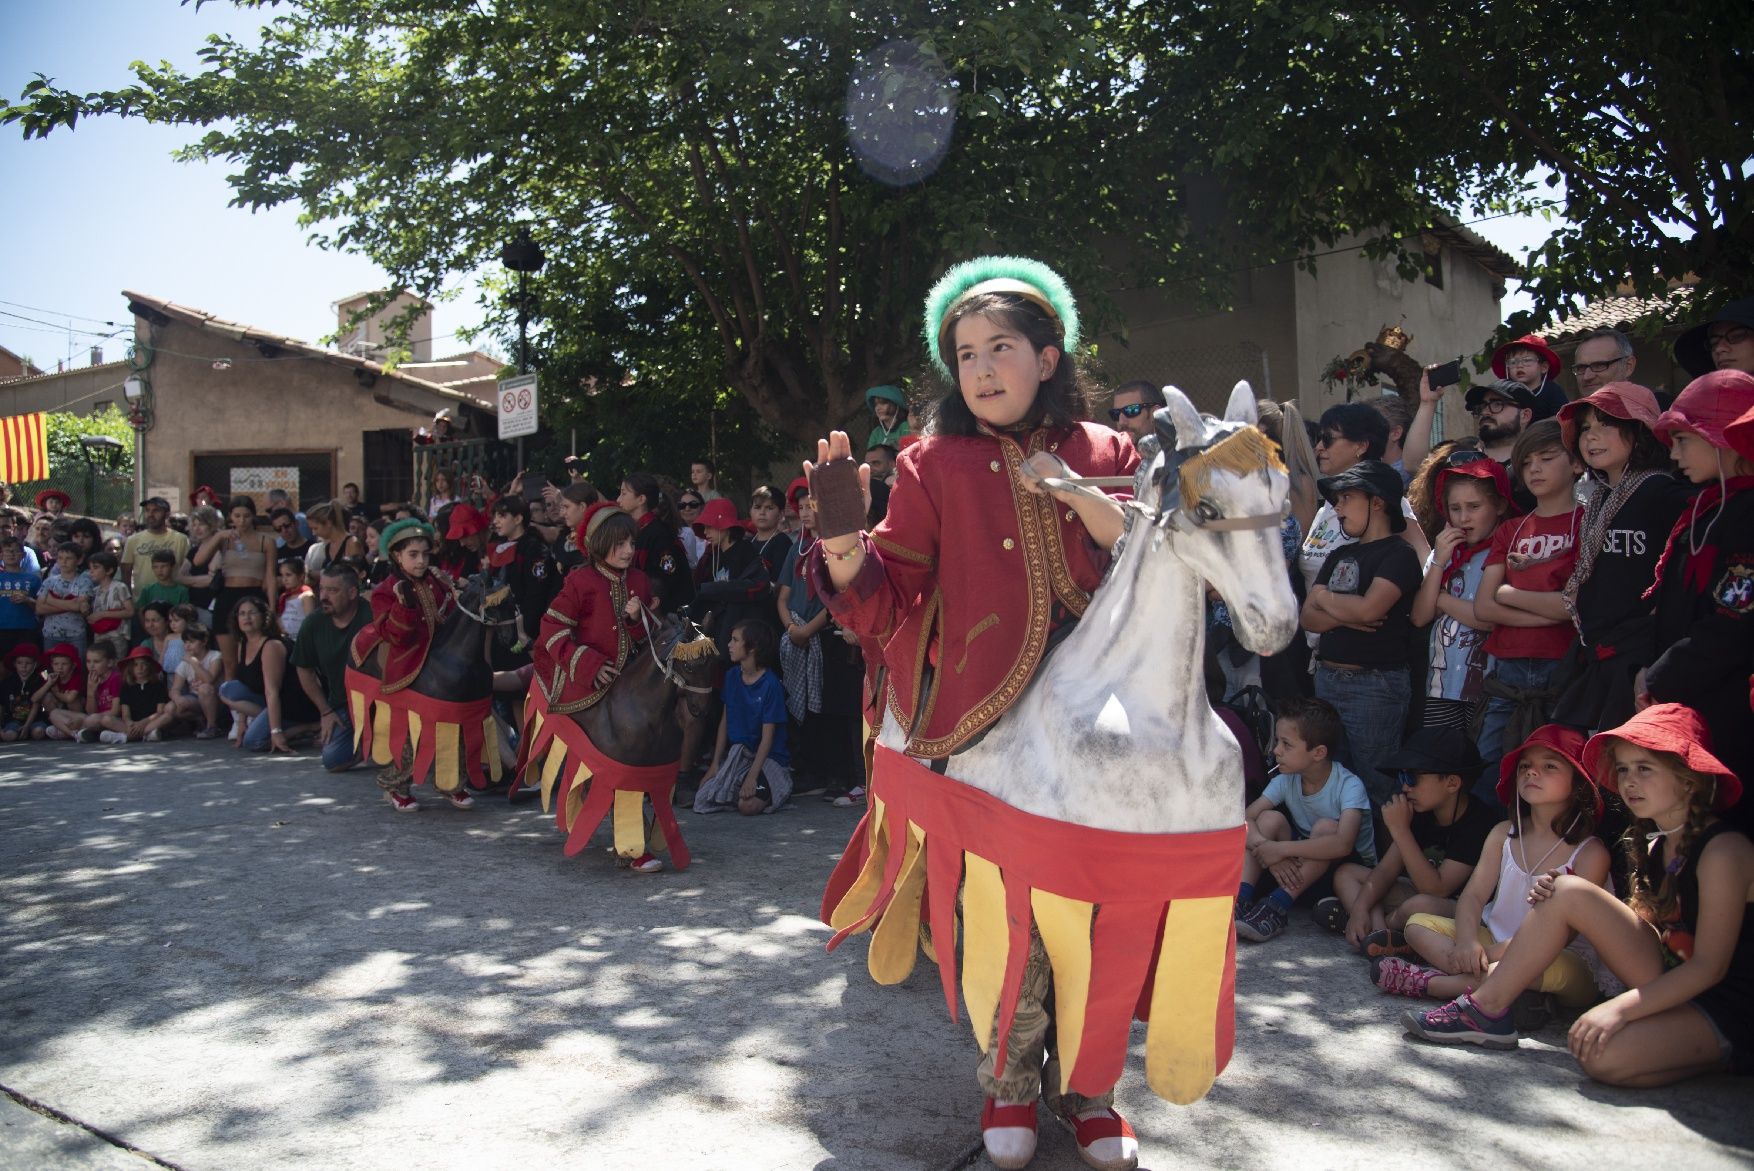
<point x="1070" y="515"/>
<point x="1053" y="447"/>
<point x="1010" y="544"/>
<point x="994" y="465"/>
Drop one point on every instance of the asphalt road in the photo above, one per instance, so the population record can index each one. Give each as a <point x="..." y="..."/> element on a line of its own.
<point x="222" y="961"/>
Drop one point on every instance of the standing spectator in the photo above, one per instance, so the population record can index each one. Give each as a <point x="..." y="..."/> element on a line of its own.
<point x="1724" y="342"/>
<point x="703" y="476"/>
<point x="39" y="541"/>
<point x="126" y="526"/>
<point x="246" y="557"/>
<point x="1360" y="606"/>
<point x="460" y="553"/>
<point x="202" y="582"/>
<point x="18" y="596"/>
<point x="733" y="582"/>
<point x="137" y="552"/>
<point x="1132" y="412"/>
<point x="889" y="407"/>
<point x="263" y="704"/>
<point x="440" y="493"/>
<point x="65" y="599"/>
<point x="279" y="498"/>
<point x="289" y="534"/>
<point x="296" y="598"/>
<point x="1602" y="356"/>
<point x="320" y="656"/>
<point x="658" y="551"/>
<point x="1395" y="412"/>
<point x="1629" y="515"/>
<point x="1501" y="410"/>
<point x="112" y="604"/>
<point x="205" y="497"/>
<point x="352" y="503"/>
<point x="330" y="538"/>
<point x="568" y="506"/>
<point x="519" y="558"/>
<point x="1530" y="361"/>
<point x="1348" y="433"/>
<point x="822" y="670"/>
<point x="53" y="501"/>
<point x="688" y="506"/>
<point x="34" y="559"/>
<point x="771" y="545"/>
<point x="83" y="531"/>
<point x="160" y="585"/>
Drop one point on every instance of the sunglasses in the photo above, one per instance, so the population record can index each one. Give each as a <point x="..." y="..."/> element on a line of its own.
<point x="1329" y="438"/>
<point x="1130" y="411"/>
<point x="1463" y="456"/>
<point x="688" y="504"/>
<point x="1407" y="778"/>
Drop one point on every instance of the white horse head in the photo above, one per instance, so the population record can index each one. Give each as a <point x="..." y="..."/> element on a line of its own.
<point x="1220" y="492"/>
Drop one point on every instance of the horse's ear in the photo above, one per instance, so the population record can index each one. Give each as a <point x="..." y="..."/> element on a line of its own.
<point x="1190" y="428"/>
<point x="1241" y="408"/>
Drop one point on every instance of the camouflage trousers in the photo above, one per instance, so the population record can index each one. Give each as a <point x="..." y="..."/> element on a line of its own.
<point x="1032" y="1064"/>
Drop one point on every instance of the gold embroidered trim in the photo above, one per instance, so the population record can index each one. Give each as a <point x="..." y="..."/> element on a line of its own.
<point x="429" y="614"/>
<point x="905" y="707"/>
<point x="560" y="618"/>
<point x="1048" y="517"/>
<point x="902" y="551"/>
<point x="974" y="632"/>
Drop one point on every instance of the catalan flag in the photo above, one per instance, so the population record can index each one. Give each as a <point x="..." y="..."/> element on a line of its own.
<point x="24" y="448"/>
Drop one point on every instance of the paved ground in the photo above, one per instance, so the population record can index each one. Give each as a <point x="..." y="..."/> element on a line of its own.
<point x="221" y="962"/>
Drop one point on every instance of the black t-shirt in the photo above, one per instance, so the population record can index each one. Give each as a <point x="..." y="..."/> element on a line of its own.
<point x="15" y="695"/>
<point x="1459" y="841"/>
<point x="1351" y="569"/>
<point x="141" y="700"/>
<point x="1627" y="562"/>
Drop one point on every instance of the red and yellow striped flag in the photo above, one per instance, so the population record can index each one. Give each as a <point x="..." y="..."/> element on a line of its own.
<point x="24" y="448"/>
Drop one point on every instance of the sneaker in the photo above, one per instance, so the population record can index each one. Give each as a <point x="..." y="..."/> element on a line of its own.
<point x="460" y="800"/>
<point x="1461" y="1022"/>
<point x="1330" y="914"/>
<point x="646" y="864"/>
<point x="85" y="736"/>
<point x="402" y="802"/>
<point x="1262" y="922"/>
<point x="1400" y="977"/>
<point x="112" y="737"/>
<point x="1531" y="1012"/>
<point x="1388" y="942"/>
<point x="853" y="796"/>
<point x="55" y="733"/>
<point x="1008" y="1132"/>
<point x="154" y="736"/>
<point x="1105" y="1141"/>
<point x="210" y="732"/>
<point x="237" y="728"/>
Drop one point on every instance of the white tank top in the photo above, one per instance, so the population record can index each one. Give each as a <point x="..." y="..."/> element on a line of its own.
<point x="1504" y="914"/>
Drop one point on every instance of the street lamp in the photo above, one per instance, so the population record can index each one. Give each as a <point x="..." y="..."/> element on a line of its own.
<point x="87" y="445"/>
<point x="523" y="256"/>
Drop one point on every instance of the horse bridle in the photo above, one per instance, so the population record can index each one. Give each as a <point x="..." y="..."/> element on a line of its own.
<point x="666" y="665"/>
<point x="1169" y="511"/>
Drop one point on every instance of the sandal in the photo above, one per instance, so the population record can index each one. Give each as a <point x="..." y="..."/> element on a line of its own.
<point x="1008" y="1133"/>
<point x="1105" y="1141"/>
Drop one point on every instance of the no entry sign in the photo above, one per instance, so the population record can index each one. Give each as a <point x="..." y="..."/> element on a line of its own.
<point x="517" y="407"/>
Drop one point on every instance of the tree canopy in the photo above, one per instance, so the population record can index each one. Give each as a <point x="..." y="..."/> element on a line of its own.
<point x="756" y="196"/>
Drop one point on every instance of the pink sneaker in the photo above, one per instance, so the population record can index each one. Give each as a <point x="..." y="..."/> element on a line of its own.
<point x="1400" y="977"/>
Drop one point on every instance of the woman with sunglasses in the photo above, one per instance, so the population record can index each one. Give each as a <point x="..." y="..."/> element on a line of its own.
<point x="688" y="506"/>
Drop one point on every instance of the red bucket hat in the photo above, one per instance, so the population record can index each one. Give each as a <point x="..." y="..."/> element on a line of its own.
<point x="1622" y="400"/>
<point x="140" y="652"/>
<point x="64" y="650"/>
<point x="466" y="521"/>
<point x="1483" y="467"/>
<point x="796" y="489"/>
<point x="718" y="514"/>
<point x="1567" y="742"/>
<point x="25" y="648"/>
<point x="48" y="494"/>
<point x="1528" y="342"/>
<point x="1709" y="405"/>
<point x="1666" y="727"/>
<point x="1740" y="436"/>
<point x="203" y="490"/>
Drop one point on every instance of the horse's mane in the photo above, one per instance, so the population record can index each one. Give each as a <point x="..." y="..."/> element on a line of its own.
<point x="1244" y="450"/>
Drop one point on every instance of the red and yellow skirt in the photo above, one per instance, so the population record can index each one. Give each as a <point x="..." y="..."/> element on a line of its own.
<point x="450" y="741"/>
<point x="591" y="786"/>
<point x="1134" y="924"/>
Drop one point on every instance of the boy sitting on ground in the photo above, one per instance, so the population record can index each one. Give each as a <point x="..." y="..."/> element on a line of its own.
<point x="1312" y="815"/>
<point x="1437" y="831"/>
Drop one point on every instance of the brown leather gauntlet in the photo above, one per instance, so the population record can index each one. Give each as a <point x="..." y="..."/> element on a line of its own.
<point x="840" y="502"/>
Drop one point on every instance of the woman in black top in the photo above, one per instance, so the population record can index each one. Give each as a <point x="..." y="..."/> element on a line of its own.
<point x="657" y="551"/>
<point x="259" y="696"/>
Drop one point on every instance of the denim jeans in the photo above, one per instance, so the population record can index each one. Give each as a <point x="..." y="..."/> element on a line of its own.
<point x="338" y="753"/>
<point x="256" y="732"/>
<point x="1373" y="710"/>
<point x="1528" y="674"/>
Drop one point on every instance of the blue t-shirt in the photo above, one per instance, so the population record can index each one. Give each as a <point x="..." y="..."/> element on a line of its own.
<point x="17" y="613"/>
<point x="1343" y="791"/>
<point x="1459" y="662"/>
<point x="750" y="705"/>
<point x="800" y="601"/>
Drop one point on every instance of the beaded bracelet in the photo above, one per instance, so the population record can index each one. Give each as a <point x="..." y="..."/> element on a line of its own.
<point x="847" y="556"/>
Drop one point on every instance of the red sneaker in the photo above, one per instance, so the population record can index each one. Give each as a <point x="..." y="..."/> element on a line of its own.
<point x="1008" y="1132"/>
<point x="646" y="864"/>
<point x="460" y="799"/>
<point x="402" y="802"/>
<point x="1105" y="1141"/>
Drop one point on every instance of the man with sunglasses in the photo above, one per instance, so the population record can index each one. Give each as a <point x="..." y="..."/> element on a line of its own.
<point x="1134" y="403"/>
<point x="286" y="533"/>
<point x="1501" y="410"/>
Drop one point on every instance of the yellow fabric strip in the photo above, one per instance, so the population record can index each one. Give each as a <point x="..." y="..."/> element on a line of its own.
<point x="986" y="938"/>
<point x="1180" y="1062"/>
<point x="381" y="734"/>
<point x="1065" y="931"/>
<point x="896" y="943"/>
<point x="551" y="769"/>
<point x="575" y="796"/>
<point x="356" y="706"/>
<point x="490" y="749"/>
<point x="448" y="760"/>
<point x="630" y="823"/>
<point x="863" y="892"/>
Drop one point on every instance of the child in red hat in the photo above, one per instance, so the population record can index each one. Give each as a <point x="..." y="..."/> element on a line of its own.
<point x="1472" y="491"/>
<point x="1703" y="597"/>
<point x="1554" y="808"/>
<point x="18" y="690"/>
<point x="62" y="688"/>
<point x="144" y="710"/>
<point x="1682" y="942"/>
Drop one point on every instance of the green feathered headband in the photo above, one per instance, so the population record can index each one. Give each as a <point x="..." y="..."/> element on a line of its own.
<point x="405" y="529"/>
<point x="1019" y="276"/>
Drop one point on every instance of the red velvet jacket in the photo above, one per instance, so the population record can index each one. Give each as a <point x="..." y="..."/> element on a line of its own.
<point x="405" y="630"/>
<point x="585" y="627"/>
<point x="965" y="571"/>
